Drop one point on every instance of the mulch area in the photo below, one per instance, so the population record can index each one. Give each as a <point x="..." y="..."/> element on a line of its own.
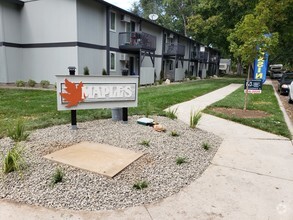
<point x="240" y="113"/>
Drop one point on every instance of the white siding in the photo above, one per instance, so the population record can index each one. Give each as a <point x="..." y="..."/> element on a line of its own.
<point x="44" y="63"/>
<point x="10" y="23"/>
<point x="91" y="22"/>
<point x="3" y="70"/>
<point x="49" y="21"/>
<point x="94" y="59"/>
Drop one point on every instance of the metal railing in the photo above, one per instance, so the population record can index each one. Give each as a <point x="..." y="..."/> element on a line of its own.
<point x="174" y="49"/>
<point x="194" y="55"/>
<point x="137" y="40"/>
<point x="203" y="56"/>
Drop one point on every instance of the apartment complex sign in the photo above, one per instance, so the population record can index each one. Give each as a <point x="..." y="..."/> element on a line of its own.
<point x="93" y="92"/>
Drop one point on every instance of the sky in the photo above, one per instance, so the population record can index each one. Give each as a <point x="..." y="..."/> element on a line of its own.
<point x="125" y="4"/>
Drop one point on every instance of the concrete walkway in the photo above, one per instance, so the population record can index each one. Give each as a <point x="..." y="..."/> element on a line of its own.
<point x="250" y="178"/>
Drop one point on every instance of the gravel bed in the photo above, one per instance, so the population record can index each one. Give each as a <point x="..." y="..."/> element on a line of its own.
<point x="83" y="190"/>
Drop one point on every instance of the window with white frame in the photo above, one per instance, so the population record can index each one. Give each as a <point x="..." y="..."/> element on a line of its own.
<point x="113" y="21"/>
<point x="112" y="61"/>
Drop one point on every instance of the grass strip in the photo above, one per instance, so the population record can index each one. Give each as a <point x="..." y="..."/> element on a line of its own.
<point x="266" y="101"/>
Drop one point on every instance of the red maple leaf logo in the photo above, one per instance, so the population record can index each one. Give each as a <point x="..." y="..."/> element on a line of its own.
<point x="74" y="93"/>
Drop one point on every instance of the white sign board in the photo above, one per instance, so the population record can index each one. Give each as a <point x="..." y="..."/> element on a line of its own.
<point x="93" y="92"/>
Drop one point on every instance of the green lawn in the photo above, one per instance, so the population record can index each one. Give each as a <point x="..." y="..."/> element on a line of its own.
<point x="266" y="101"/>
<point x="39" y="108"/>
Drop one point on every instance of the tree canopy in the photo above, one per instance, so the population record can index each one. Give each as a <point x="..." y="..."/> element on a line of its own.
<point x="235" y="27"/>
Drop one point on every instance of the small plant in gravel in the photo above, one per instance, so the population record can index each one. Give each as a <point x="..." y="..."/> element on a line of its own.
<point x="45" y="83"/>
<point x="194" y="118"/>
<point x="148" y="110"/>
<point x="174" y="134"/>
<point x="13" y="160"/>
<point x="206" y="146"/>
<point x="17" y="132"/>
<point x="180" y="160"/>
<point x="57" y="176"/>
<point x="86" y="71"/>
<point x="171" y="113"/>
<point x="145" y="143"/>
<point x="20" y="83"/>
<point x="139" y="185"/>
<point x="31" y="83"/>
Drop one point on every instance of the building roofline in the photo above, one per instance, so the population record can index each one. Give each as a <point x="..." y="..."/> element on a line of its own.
<point x="17" y="2"/>
<point x="148" y="21"/>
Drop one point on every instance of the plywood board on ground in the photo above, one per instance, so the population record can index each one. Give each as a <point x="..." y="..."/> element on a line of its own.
<point x="100" y="158"/>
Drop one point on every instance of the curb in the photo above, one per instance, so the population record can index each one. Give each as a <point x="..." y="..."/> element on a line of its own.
<point x="286" y="117"/>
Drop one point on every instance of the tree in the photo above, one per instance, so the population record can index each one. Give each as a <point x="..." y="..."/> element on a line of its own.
<point x="212" y="21"/>
<point x="173" y="14"/>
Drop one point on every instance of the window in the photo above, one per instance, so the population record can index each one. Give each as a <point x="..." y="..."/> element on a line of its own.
<point x="112" y="61"/>
<point x="113" y="21"/>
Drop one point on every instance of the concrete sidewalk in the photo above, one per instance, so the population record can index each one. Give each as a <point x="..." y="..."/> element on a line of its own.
<point x="250" y="178"/>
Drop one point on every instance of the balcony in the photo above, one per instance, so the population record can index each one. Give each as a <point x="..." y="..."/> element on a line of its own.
<point x="213" y="59"/>
<point x="174" y="49"/>
<point x="194" y="55"/>
<point x="134" y="41"/>
<point x="203" y="56"/>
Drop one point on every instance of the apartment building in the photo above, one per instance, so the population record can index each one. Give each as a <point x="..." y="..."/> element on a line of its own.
<point x="42" y="38"/>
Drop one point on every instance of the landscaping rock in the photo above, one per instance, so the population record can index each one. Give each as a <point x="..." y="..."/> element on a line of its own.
<point x="83" y="190"/>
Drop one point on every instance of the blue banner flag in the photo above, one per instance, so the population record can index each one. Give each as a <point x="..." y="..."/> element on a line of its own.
<point x="261" y="67"/>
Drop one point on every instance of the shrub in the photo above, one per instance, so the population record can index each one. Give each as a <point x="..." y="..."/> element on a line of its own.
<point x="180" y="160"/>
<point x="171" y="113"/>
<point x="45" y="83"/>
<point x="20" y="83"/>
<point x="145" y="143"/>
<point x="13" y="160"/>
<point x="31" y="83"/>
<point x="57" y="176"/>
<point x="162" y="75"/>
<point x="206" y="146"/>
<point x="86" y="71"/>
<point x="174" y="134"/>
<point x="140" y="185"/>
<point x="17" y="132"/>
<point x="194" y="118"/>
<point x="104" y="72"/>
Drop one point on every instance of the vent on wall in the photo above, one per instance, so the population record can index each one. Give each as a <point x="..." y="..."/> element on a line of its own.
<point x="125" y="18"/>
<point x="124" y="57"/>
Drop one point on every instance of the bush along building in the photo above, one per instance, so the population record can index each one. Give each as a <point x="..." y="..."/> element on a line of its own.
<point x="40" y="39"/>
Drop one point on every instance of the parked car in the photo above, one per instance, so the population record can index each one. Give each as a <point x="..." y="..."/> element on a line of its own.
<point x="284" y="83"/>
<point x="276" y="71"/>
<point x="290" y="96"/>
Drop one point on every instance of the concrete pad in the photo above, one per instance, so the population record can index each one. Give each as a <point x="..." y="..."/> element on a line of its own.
<point x="224" y="193"/>
<point x="232" y="130"/>
<point x="11" y="210"/>
<point x="272" y="158"/>
<point x="100" y="158"/>
<point x="184" y="109"/>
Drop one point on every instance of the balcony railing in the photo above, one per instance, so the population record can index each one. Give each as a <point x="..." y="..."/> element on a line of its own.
<point x="135" y="41"/>
<point x="213" y="59"/>
<point x="174" y="49"/>
<point x="194" y="55"/>
<point x="203" y="56"/>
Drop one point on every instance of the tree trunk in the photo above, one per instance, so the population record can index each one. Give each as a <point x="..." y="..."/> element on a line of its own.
<point x="246" y="91"/>
<point x="239" y="67"/>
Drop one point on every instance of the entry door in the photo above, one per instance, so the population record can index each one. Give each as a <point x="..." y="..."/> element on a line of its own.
<point x="131" y="65"/>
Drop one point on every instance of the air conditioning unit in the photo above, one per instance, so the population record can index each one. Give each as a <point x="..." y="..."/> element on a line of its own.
<point x="124" y="57"/>
<point x="125" y="18"/>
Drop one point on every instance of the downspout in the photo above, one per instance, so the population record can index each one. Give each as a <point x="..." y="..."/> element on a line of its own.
<point x="108" y="40"/>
